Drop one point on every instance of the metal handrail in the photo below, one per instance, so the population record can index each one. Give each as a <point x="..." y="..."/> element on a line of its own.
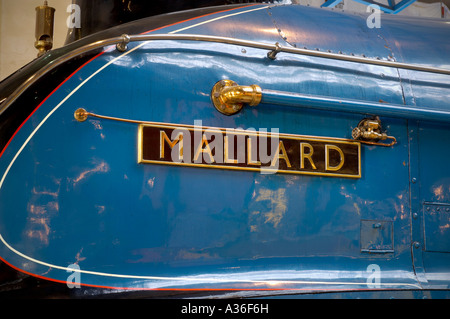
<point x="273" y="49"/>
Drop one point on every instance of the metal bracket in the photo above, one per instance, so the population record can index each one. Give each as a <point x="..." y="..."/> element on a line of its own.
<point x="123" y="46"/>
<point x="369" y="131"/>
<point x="273" y="54"/>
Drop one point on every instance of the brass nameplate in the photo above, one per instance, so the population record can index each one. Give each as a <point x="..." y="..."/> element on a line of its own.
<point x="252" y="150"/>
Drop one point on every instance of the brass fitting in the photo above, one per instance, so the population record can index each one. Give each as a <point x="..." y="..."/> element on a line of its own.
<point x="369" y="131"/>
<point x="228" y="97"/>
<point x="44" y="28"/>
<point x="81" y="115"/>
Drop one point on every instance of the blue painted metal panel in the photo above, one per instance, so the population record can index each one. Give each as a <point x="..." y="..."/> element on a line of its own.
<point x="377" y="236"/>
<point x="436" y="224"/>
<point x="74" y="193"/>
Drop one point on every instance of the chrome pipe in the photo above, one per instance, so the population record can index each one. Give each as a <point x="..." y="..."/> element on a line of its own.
<point x="278" y="48"/>
<point x="275" y="48"/>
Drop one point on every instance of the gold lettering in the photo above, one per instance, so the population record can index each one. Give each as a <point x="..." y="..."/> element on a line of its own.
<point x="282" y="156"/>
<point x="164" y="137"/>
<point x="250" y="160"/>
<point x="308" y="156"/>
<point x="327" y="158"/>
<point x="206" y="150"/>
<point x="225" y="152"/>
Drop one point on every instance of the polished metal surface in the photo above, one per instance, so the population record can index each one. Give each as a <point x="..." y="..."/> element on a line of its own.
<point x="44" y="28"/>
<point x="228" y="97"/>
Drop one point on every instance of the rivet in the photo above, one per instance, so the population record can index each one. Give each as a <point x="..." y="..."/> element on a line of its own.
<point x="415" y="215"/>
<point x="414" y="180"/>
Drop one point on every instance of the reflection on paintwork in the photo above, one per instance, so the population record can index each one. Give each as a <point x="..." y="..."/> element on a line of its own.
<point x="189" y="255"/>
<point x="78" y="257"/>
<point x="101" y="167"/>
<point x="100" y="209"/>
<point x="42" y="208"/>
<point x="269" y="31"/>
<point x="151" y="182"/>
<point x="98" y="126"/>
<point x="444" y="228"/>
<point x="35" y="191"/>
<point x="400" y="207"/>
<point x="358" y="211"/>
<point x="128" y="62"/>
<point x="40" y="229"/>
<point x="272" y="204"/>
<point x="438" y="192"/>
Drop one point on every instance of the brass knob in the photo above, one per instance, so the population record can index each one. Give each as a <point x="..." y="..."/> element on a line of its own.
<point x="80" y="115"/>
<point x="228" y="97"/>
